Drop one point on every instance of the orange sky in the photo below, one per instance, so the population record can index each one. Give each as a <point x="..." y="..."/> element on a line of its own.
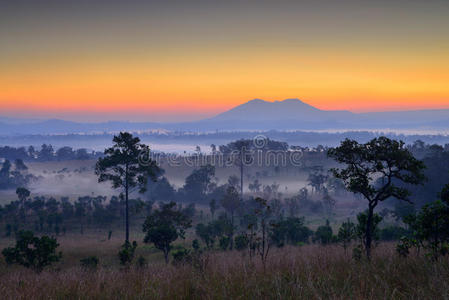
<point x="193" y="70"/>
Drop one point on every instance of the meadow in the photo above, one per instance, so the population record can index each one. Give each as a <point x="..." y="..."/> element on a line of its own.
<point x="306" y="272"/>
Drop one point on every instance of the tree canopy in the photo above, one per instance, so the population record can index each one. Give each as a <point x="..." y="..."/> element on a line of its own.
<point x="374" y="170"/>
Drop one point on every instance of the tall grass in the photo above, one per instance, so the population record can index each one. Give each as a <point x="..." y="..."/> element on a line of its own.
<point x="309" y="272"/>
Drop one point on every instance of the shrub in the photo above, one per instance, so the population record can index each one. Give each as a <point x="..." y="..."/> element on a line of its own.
<point x="357" y="253"/>
<point x="404" y="245"/>
<point x="393" y="233"/>
<point x="196" y="245"/>
<point x="90" y="262"/>
<point x="431" y="228"/>
<point x="346" y="233"/>
<point x="323" y="234"/>
<point x="126" y="254"/>
<point x="290" y="231"/>
<point x="142" y="262"/>
<point x="32" y="252"/>
<point x="241" y="242"/>
<point x="181" y="255"/>
<point x="224" y="242"/>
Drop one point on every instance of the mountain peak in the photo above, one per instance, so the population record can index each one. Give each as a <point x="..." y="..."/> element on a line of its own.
<point x="259" y="109"/>
<point x="289" y="100"/>
<point x="257" y="100"/>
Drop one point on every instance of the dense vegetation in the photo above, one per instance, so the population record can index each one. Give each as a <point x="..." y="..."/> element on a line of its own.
<point x="46" y="153"/>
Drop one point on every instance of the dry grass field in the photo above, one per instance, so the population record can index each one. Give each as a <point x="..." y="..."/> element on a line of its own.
<point x="307" y="272"/>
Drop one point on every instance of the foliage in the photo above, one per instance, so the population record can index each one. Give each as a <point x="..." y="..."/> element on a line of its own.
<point x="141" y="261"/>
<point x="127" y="165"/>
<point x="290" y="231"/>
<point x="403" y="209"/>
<point x="224" y="242"/>
<point x="430" y="227"/>
<point x="32" y="252"/>
<point x="360" y="230"/>
<point x="393" y="233"/>
<point x="181" y="255"/>
<point x="14" y="175"/>
<point x="374" y="170"/>
<point x="160" y="190"/>
<point x="90" y="262"/>
<point x="241" y="242"/>
<point x="199" y="183"/>
<point x="213" y="206"/>
<point x="206" y="233"/>
<point x="404" y="245"/>
<point x="324" y="234"/>
<point x="126" y="253"/>
<point x="317" y="178"/>
<point x="196" y="245"/>
<point x="164" y="226"/>
<point x="231" y="202"/>
<point x="261" y="239"/>
<point x="346" y="233"/>
<point x="22" y="193"/>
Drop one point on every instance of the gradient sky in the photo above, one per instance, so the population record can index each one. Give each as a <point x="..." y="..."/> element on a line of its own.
<point x="184" y="60"/>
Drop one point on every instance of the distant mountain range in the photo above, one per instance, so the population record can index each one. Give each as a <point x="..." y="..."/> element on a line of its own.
<point x="257" y="114"/>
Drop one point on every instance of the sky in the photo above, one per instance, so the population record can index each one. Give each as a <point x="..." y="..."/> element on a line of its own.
<point x="186" y="60"/>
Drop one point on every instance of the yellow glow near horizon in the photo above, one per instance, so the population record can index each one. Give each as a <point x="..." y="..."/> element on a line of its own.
<point x="219" y="80"/>
<point x="370" y="57"/>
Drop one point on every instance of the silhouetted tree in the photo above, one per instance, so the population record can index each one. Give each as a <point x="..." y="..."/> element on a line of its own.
<point x="373" y="170"/>
<point x="231" y="202"/>
<point x="213" y="206"/>
<point x="163" y="226"/>
<point x="324" y="234"/>
<point x="122" y="167"/>
<point x="346" y="233"/>
<point x="199" y="183"/>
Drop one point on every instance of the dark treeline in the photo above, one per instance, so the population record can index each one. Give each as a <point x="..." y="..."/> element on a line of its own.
<point x="309" y="138"/>
<point x="46" y="153"/>
<point x="14" y="174"/>
<point x="59" y="216"/>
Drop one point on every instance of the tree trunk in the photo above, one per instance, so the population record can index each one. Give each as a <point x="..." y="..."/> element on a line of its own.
<point x="232" y="232"/>
<point x="166" y="256"/>
<point x="241" y="179"/>
<point x="126" y="206"/>
<point x="369" y="231"/>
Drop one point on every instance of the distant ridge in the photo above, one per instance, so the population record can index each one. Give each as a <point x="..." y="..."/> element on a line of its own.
<point x="256" y="114"/>
<point x="288" y="109"/>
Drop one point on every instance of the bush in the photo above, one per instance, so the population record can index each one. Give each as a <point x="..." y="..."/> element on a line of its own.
<point x="224" y="242"/>
<point x="181" y="255"/>
<point x="290" y="231"/>
<point x="404" y="245"/>
<point x="142" y="262"/>
<point x="90" y="262"/>
<point x="324" y="234"/>
<point x="393" y="233"/>
<point x="431" y="228"/>
<point x="241" y="242"/>
<point x="32" y="252"/>
<point x="346" y="233"/>
<point x="126" y="254"/>
<point x="196" y="245"/>
<point x="357" y="253"/>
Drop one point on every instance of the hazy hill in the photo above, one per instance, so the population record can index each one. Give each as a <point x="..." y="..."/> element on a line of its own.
<point x="257" y="114"/>
<point x="289" y="109"/>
